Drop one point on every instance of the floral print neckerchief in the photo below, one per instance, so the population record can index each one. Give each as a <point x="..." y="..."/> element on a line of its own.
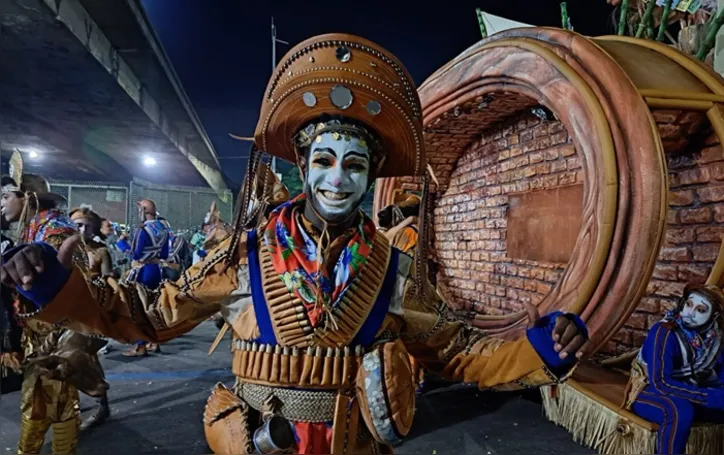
<point x="319" y="279"/>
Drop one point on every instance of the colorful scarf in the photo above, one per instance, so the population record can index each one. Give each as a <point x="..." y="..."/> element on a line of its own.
<point x="699" y="349"/>
<point x="47" y="224"/>
<point x="318" y="274"/>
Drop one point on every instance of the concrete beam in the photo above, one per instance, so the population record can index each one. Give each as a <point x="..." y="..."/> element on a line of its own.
<point x="72" y="14"/>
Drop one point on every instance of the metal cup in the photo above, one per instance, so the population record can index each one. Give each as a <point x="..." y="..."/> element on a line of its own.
<point x="276" y="435"/>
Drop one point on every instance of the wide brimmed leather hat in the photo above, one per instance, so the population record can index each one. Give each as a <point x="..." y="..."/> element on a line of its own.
<point x="32" y="184"/>
<point x="339" y="75"/>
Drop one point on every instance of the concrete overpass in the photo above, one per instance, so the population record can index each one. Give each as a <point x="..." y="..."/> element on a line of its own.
<point x="86" y="89"/>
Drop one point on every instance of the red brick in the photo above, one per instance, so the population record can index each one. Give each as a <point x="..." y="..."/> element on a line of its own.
<point x="637" y="321"/>
<point x="515" y="151"/>
<point x="711" y="194"/>
<point x="536" y="157"/>
<point x="543" y="288"/>
<point x="695" y="216"/>
<point x="623" y="336"/>
<point x="693" y="176"/>
<point x="719" y="214"/>
<point x="504" y="155"/>
<point x="679" y="254"/>
<point x="550" y="154"/>
<point x="709" y="234"/>
<point x="668" y="130"/>
<point x="526" y="136"/>
<point x="711" y="154"/>
<point x="558" y="166"/>
<point x="569" y="178"/>
<point x="573" y="163"/>
<point x="554" y="127"/>
<point x="567" y="150"/>
<point x="665" y="115"/>
<point x="559" y="138"/>
<point x="665" y="288"/>
<point x="649" y="305"/>
<point x="707" y="252"/>
<point x="672" y="217"/>
<point x="681" y="198"/>
<point x="666" y="272"/>
<point x="693" y="273"/>
<point x="679" y="236"/>
<point x="717" y="171"/>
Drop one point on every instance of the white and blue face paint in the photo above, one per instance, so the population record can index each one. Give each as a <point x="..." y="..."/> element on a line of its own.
<point x="338" y="173"/>
<point x="696" y="311"/>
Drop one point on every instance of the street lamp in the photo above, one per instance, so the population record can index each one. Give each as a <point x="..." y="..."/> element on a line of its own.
<point x="149" y="161"/>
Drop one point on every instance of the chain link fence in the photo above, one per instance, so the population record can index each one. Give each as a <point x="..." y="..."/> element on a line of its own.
<point x="184" y="207"/>
<point x="107" y="200"/>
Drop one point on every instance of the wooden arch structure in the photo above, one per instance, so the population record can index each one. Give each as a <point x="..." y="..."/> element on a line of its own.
<point x="605" y="92"/>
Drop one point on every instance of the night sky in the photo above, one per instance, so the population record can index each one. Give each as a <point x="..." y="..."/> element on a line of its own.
<point x="221" y="49"/>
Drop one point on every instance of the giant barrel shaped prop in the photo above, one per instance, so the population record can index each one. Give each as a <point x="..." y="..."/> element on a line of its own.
<point x="553" y="172"/>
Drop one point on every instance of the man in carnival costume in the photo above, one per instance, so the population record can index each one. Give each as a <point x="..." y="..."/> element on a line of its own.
<point x="51" y="354"/>
<point x="324" y="312"/>
<point x="100" y="264"/>
<point x="678" y="375"/>
<point x="149" y="252"/>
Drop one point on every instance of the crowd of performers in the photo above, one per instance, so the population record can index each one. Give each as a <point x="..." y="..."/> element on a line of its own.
<point x="329" y="311"/>
<point x="48" y="363"/>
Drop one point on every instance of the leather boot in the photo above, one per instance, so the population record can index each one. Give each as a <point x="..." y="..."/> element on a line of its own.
<point x="65" y="436"/>
<point x="102" y="412"/>
<point x="32" y="435"/>
<point x="136" y="351"/>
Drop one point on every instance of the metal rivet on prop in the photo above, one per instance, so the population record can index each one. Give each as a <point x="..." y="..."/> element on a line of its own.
<point x="343" y="54"/>
<point x="374" y="107"/>
<point x="341" y="96"/>
<point x="373" y="64"/>
<point x="309" y="99"/>
<point x="311" y="59"/>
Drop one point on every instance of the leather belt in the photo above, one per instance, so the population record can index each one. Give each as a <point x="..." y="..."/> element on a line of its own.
<point x="297" y="405"/>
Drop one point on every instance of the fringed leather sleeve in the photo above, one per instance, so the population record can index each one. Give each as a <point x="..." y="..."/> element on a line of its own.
<point x="129" y="312"/>
<point x="462" y="353"/>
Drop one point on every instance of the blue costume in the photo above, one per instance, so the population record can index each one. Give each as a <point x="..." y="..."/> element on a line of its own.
<point x="680" y="372"/>
<point x="149" y="250"/>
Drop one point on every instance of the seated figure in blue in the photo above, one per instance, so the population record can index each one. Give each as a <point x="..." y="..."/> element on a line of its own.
<point x="678" y="376"/>
<point x="149" y="253"/>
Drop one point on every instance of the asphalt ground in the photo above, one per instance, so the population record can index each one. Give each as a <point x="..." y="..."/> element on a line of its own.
<point x="157" y="403"/>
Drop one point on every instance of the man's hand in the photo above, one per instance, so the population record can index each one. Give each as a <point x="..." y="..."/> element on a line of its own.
<point x="22" y="269"/>
<point x="569" y="339"/>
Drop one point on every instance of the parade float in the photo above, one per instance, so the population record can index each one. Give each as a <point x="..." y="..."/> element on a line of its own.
<point x="579" y="174"/>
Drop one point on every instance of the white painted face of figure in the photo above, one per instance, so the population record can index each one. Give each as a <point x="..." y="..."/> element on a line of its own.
<point x="696" y="312"/>
<point x="337" y="176"/>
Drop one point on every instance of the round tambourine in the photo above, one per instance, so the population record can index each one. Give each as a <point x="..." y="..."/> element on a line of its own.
<point x="386" y="392"/>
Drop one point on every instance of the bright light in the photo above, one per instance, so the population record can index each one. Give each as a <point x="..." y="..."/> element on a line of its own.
<point x="149" y="161"/>
<point x="33" y="154"/>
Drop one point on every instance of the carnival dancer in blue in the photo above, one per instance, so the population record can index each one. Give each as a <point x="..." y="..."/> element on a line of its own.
<point x="678" y="376"/>
<point x="149" y="253"/>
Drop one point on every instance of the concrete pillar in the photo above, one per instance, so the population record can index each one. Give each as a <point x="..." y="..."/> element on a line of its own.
<point x="719" y="47"/>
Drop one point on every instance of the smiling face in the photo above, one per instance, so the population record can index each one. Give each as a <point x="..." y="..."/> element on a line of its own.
<point x="696" y="311"/>
<point x="338" y="174"/>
